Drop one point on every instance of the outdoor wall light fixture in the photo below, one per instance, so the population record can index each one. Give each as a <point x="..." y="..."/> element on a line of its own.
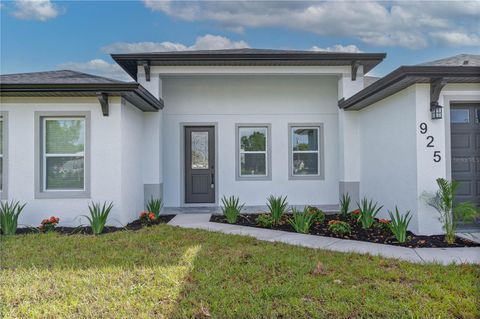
<point x="436" y="110"/>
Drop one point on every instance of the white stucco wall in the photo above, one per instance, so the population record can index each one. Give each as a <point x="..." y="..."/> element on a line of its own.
<point x="388" y="153"/>
<point x="114" y="154"/>
<point x="230" y="99"/>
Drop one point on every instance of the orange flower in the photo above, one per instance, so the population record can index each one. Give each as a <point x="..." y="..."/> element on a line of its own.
<point x="356" y="212"/>
<point x="384" y="221"/>
<point x="151" y="216"/>
<point x="333" y="221"/>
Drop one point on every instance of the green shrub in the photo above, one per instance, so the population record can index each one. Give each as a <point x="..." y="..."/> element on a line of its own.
<point x="344" y="205"/>
<point x="265" y="220"/>
<point x="399" y="224"/>
<point x="277" y="207"/>
<point x="301" y="221"/>
<point x="231" y="208"/>
<point x="339" y="227"/>
<point x="318" y="214"/>
<point x="98" y="216"/>
<point x="367" y="213"/>
<point x="450" y="211"/>
<point x="9" y="212"/>
<point x="155" y="205"/>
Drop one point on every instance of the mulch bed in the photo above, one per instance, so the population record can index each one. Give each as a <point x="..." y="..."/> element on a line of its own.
<point x="87" y="230"/>
<point x="373" y="235"/>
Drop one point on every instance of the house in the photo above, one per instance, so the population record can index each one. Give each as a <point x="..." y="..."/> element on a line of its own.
<point x="198" y="125"/>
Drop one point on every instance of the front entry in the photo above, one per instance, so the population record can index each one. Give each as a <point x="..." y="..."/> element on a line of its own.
<point x="465" y="140"/>
<point x="199" y="164"/>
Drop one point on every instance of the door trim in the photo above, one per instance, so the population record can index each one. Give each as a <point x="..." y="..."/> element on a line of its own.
<point x="182" y="168"/>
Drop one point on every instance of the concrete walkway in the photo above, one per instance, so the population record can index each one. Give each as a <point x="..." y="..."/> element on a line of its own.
<point x="417" y="255"/>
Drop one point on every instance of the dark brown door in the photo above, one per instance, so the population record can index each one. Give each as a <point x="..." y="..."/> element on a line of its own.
<point x="199" y="164"/>
<point x="465" y="143"/>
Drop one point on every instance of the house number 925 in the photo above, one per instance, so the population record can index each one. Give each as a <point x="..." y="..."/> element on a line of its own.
<point x="437" y="157"/>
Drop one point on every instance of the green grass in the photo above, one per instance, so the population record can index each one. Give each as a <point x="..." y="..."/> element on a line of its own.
<point x="167" y="272"/>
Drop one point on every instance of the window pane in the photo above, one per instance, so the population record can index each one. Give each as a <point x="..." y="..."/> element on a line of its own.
<point x="305" y="163"/>
<point x="305" y="139"/>
<point x="253" y="138"/>
<point x="199" y="150"/>
<point x="459" y="116"/>
<point x="253" y="164"/>
<point x="65" y="136"/>
<point x="65" y="172"/>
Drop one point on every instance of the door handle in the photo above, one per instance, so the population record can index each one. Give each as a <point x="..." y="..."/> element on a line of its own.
<point x="212" y="185"/>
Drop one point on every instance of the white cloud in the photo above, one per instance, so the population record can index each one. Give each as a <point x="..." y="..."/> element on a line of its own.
<point x="40" y="10"/>
<point x="206" y="42"/>
<point x="457" y="38"/>
<point x="380" y="23"/>
<point x="351" y="48"/>
<point x="98" y="67"/>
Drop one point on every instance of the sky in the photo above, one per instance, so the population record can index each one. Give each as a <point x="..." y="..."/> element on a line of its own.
<point x="42" y="35"/>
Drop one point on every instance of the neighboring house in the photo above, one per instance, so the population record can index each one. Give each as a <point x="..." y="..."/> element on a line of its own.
<point x="198" y="125"/>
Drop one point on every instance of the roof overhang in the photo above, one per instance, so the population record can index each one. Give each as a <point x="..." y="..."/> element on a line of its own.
<point x="132" y="92"/>
<point x="406" y="76"/>
<point x="131" y="62"/>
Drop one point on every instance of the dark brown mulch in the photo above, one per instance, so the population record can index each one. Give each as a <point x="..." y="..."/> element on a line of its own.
<point x="373" y="235"/>
<point x="87" y="230"/>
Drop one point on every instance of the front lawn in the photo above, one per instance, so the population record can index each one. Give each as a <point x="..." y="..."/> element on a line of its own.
<point x="169" y="272"/>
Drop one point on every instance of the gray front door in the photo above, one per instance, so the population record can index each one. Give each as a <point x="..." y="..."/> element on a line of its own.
<point x="465" y="140"/>
<point x="199" y="164"/>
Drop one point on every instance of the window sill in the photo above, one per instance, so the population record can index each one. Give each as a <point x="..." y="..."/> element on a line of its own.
<point x="64" y="194"/>
<point x="253" y="178"/>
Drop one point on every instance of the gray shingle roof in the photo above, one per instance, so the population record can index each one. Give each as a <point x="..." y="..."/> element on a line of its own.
<point x="456" y="60"/>
<point x="55" y="77"/>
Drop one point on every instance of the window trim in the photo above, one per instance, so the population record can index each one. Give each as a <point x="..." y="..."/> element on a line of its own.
<point x="40" y="181"/>
<point x="4" y="186"/>
<point x="320" y="152"/>
<point x="268" y="152"/>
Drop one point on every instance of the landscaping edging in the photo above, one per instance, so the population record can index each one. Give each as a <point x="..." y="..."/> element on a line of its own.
<point x="416" y="255"/>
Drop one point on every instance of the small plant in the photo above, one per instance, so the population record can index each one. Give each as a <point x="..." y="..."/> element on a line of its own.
<point x="265" y="220"/>
<point x="231" y="208"/>
<point x="367" y="213"/>
<point x="399" y="225"/>
<point x="383" y="224"/>
<point x="277" y="207"/>
<point x="301" y="221"/>
<point x="98" y="216"/>
<point x="147" y="218"/>
<point x="450" y="211"/>
<point x="318" y="215"/>
<point x="344" y="205"/>
<point x="339" y="228"/>
<point x="9" y="212"/>
<point x="354" y="214"/>
<point x="155" y="205"/>
<point x="49" y="224"/>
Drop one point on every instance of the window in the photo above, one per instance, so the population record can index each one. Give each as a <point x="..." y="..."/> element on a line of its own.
<point x="3" y="155"/>
<point x="459" y="116"/>
<point x="305" y="156"/>
<point x="63" y="156"/>
<point x="253" y="160"/>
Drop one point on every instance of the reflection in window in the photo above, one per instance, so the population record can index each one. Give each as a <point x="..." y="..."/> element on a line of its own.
<point x="253" y="151"/>
<point x="305" y="151"/>
<point x="459" y="116"/>
<point x="199" y="150"/>
<point x="63" y="153"/>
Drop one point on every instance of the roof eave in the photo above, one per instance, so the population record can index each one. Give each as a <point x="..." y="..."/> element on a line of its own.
<point x="417" y="73"/>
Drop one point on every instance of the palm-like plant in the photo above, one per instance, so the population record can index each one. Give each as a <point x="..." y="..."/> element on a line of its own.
<point x="231" y="208"/>
<point x="277" y="207"/>
<point x="450" y="211"/>
<point x="368" y="211"/>
<point x="9" y="212"/>
<point x="155" y="205"/>
<point x="98" y="216"/>
<point x="301" y="221"/>
<point x="344" y="205"/>
<point x="399" y="225"/>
